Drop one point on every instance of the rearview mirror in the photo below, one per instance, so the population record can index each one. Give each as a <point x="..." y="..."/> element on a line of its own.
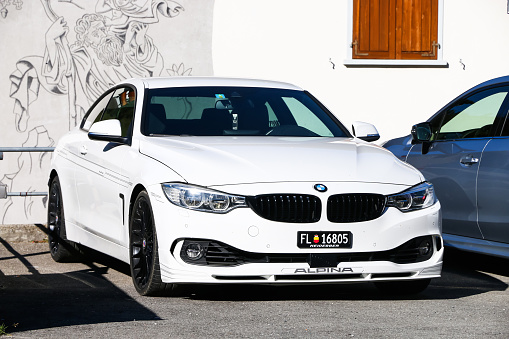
<point x="365" y="131"/>
<point x="224" y="104"/>
<point x="107" y="130"/>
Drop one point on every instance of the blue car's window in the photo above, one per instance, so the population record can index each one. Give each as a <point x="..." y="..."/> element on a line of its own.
<point x="473" y="116"/>
<point x="216" y="111"/>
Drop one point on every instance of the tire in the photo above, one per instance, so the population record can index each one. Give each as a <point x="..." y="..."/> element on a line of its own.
<point x="60" y="248"/>
<point x="403" y="287"/>
<point x="143" y="251"/>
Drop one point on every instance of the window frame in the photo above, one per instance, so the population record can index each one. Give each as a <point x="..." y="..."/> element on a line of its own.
<point x="350" y="62"/>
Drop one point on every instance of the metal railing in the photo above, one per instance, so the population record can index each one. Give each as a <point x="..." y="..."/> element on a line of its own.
<point x="3" y="188"/>
<point x="24" y="149"/>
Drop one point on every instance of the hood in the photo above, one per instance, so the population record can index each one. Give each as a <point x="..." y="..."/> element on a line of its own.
<point x="210" y="161"/>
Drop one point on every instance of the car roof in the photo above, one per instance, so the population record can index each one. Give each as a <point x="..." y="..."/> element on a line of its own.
<point x="192" y="81"/>
<point x="491" y="82"/>
<point x="494" y="81"/>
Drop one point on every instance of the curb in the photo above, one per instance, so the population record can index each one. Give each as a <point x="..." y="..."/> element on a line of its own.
<point x="23" y="233"/>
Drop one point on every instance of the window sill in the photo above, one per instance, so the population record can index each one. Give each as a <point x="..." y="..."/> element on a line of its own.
<point x="394" y="63"/>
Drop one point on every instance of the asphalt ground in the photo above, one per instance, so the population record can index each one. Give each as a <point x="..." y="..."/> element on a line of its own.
<point x="40" y="298"/>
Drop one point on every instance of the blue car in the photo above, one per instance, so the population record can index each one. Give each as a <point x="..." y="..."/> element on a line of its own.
<point x="464" y="151"/>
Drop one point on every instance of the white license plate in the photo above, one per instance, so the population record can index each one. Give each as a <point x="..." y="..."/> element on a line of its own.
<point x="313" y="239"/>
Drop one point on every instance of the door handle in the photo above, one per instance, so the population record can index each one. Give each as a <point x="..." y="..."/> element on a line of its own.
<point x="83" y="149"/>
<point x="469" y="160"/>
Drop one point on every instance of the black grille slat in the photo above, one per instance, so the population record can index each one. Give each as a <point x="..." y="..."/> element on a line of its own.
<point x="301" y="208"/>
<point x="405" y="256"/>
<point x="221" y="255"/>
<point x="344" y="208"/>
<point x="294" y="208"/>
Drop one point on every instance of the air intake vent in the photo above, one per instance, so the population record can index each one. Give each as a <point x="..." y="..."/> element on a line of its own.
<point x="294" y="208"/>
<point x="220" y="254"/>
<point x="217" y="254"/>
<point x="343" y="208"/>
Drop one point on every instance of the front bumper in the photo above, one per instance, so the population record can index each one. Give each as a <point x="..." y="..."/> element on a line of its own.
<point x="266" y="252"/>
<point x="303" y="268"/>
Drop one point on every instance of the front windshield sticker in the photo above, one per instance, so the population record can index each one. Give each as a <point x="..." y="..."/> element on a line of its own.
<point x="220" y="96"/>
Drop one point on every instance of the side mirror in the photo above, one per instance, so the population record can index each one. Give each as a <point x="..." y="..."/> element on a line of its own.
<point x="365" y="131"/>
<point x="107" y="130"/>
<point x="421" y="133"/>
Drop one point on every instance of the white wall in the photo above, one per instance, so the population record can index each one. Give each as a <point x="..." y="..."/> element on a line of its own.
<point x="293" y="40"/>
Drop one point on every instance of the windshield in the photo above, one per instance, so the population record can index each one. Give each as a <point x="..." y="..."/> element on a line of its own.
<point x="217" y="111"/>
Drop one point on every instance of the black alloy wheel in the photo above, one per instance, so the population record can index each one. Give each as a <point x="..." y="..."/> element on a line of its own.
<point x="143" y="249"/>
<point x="61" y="250"/>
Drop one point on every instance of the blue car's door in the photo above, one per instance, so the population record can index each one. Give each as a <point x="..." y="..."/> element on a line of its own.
<point x="493" y="190"/>
<point x="461" y="133"/>
<point x="452" y="168"/>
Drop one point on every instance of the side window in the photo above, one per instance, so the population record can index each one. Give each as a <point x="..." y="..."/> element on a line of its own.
<point x="126" y="99"/>
<point x="474" y="116"/>
<point x="118" y="106"/>
<point x="95" y="113"/>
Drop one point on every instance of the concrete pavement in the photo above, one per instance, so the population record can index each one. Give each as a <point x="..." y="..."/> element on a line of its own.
<point x="17" y="233"/>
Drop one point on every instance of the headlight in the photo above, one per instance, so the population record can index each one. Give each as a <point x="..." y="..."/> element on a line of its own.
<point x="415" y="198"/>
<point x="202" y="199"/>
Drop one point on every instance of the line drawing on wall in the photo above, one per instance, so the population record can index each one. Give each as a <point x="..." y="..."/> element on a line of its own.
<point x="27" y="163"/>
<point x="4" y="4"/>
<point x="111" y="44"/>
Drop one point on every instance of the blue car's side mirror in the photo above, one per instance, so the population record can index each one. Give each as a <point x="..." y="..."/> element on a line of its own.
<point x="421" y="133"/>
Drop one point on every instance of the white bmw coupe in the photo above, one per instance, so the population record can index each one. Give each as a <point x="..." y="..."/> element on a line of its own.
<point x="215" y="180"/>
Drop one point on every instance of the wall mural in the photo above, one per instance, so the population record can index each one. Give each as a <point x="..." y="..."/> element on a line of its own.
<point x="88" y="47"/>
<point x="4" y="4"/>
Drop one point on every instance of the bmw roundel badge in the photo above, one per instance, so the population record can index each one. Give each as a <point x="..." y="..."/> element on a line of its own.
<point x="320" y="188"/>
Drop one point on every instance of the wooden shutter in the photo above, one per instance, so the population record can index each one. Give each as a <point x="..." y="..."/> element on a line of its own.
<point x="395" y="29"/>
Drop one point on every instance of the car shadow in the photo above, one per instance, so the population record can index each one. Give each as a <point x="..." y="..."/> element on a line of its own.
<point x="463" y="260"/>
<point x="38" y="300"/>
<point x="464" y="274"/>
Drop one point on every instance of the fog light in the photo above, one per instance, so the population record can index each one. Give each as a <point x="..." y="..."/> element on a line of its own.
<point x="194" y="251"/>
<point x="425" y="247"/>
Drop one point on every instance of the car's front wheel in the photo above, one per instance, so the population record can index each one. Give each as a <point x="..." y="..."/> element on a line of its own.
<point x="403" y="287"/>
<point x="60" y="248"/>
<point x="143" y="249"/>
